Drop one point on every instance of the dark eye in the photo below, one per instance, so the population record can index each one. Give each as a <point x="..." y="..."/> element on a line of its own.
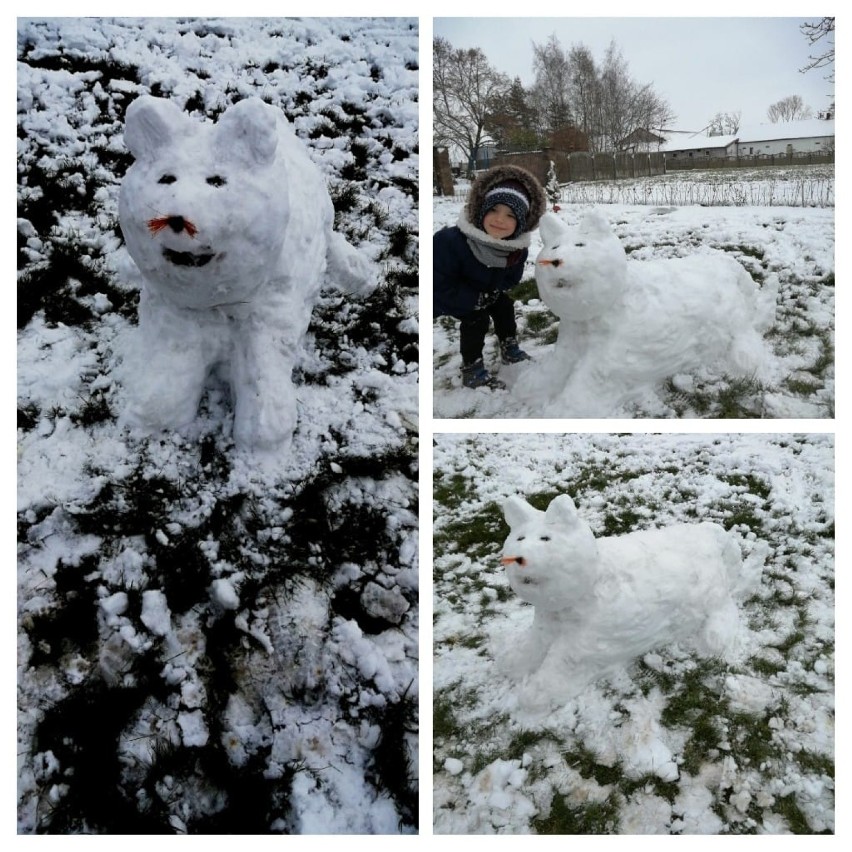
<point x="579" y="245"/>
<point x="216" y="180"/>
<point x="167" y="179"/>
<point x="521" y="537"/>
<point x="545" y="538"/>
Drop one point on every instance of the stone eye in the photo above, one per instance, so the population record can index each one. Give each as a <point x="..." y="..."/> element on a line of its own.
<point x="521" y="537"/>
<point x="216" y="180"/>
<point x="545" y="538"/>
<point x="167" y="179"/>
<point x="579" y="245"/>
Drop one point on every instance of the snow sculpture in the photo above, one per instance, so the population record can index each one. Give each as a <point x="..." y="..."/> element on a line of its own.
<point x="231" y="227"/>
<point x="599" y="603"/>
<point x="625" y="326"/>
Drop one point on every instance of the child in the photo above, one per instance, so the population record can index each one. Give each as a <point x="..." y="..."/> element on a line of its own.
<point x="480" y="258"/>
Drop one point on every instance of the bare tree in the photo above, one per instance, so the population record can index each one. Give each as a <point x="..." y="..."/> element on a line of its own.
<point x="550" y="91"/>
<point x="814" y="32"/>
<point x="624" y="105"/>
<point x="724" y="124"/>
<point x="791" y="108"/>
<point x="584" y="88"/>
<point x="465" y="90"/>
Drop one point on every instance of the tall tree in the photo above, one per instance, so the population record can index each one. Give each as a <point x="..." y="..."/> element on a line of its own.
<point x="465" y="91"/>
<point x="512" y="123"/>
<point x="791" y="108"/>
<point x="813" y="32"/>
<point x="624" y="105"/>
<point x="584" y="89"/>
<point x="551" y="89"/>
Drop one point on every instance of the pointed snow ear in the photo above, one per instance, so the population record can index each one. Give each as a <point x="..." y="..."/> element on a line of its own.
<point x="150" y="124"/>
<point x="551" y="228"/>
<point x="248" y="132"/>
<point x="518" y="512"/>
<point x="594" y="222"/>
<point x="562" y="512"/>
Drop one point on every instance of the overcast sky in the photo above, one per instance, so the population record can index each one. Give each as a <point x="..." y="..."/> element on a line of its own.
<point x="700" y="66"/>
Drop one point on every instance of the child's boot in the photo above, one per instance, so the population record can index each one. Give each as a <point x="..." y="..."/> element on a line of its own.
<point x="476" y="376"/>
<point x="511" y="353"/>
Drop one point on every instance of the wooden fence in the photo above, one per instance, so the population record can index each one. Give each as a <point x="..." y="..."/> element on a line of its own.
<point x="584" y="166"/>
<point x="806" y="158"/>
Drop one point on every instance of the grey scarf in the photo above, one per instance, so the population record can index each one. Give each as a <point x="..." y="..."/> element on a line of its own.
<point x="490" y="251"/>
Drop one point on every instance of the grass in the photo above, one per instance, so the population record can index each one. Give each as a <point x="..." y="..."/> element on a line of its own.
<point x="619" y="492"/>
<point x="565" y="818"/>
<point x="273" y="542"/>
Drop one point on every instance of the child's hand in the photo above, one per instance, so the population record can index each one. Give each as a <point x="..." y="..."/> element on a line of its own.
<point x="487" y="298"/>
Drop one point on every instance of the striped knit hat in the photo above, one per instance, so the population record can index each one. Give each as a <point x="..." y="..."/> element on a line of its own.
<point x="511" y="193"/>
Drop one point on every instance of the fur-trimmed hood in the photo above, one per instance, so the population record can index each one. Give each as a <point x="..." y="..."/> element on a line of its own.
<point x="501" y="174"/>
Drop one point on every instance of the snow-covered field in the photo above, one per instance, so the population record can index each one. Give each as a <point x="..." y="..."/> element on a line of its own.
<point x="796" y="243"/>
<point x="210" y="642"/>
<point x="673" y="743"/>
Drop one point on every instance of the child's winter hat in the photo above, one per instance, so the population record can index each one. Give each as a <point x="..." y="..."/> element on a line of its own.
<point x="507" y="184"/>
<point x="514" y="195"/>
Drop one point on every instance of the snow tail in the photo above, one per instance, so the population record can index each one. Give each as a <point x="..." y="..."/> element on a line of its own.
<point x="348" y="269"/>
<point x="767" y="299"/>
<point x="747" y="578"/>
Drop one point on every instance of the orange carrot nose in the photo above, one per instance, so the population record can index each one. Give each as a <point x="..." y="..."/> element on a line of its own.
<point x="508" y="560"/>
<point x="176" y="223"/>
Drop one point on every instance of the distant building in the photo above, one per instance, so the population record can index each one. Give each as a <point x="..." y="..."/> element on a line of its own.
<point x="791" y="137"/>
<point x="698" y="146"/>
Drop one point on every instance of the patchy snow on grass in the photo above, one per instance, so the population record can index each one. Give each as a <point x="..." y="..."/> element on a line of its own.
<point x="214" y="640"/>
<point x="671" y="742"/>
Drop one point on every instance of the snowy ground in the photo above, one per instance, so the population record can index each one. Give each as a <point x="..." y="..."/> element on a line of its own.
<point x="209" y="643"/>
<point x="753" y="744"/>
<point x="797" y="243"/>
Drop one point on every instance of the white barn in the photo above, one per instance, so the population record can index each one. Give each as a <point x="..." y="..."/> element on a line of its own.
<point x="791" y="137"/>
<point x="699" y="147"/>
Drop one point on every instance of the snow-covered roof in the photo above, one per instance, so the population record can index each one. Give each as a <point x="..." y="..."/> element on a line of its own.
<point x="787" y="130"/>
<point x="806" y="129"/>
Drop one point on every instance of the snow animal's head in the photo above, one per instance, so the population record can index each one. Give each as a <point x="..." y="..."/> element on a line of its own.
<point x="551" y="556"/>
<point x="204" y="207"/>
<point x="580" y="270"/>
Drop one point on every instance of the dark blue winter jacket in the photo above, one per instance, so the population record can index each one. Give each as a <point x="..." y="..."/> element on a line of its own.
<point x="459" y="278"/>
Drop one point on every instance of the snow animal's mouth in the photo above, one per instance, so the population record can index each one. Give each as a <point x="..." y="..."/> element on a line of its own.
<point x="187" y="258"/>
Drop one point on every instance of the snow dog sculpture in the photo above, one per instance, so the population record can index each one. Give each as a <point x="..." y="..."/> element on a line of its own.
<point x="601" y="602"/>
<point x="230" y="225"/>
<point x="625" y="326"/>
